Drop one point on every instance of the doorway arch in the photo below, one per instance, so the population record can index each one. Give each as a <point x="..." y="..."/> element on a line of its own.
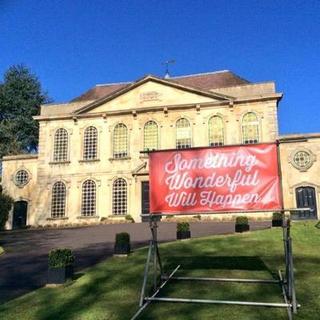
<point x="19" y="218"/>
<point x="306" y="198"/>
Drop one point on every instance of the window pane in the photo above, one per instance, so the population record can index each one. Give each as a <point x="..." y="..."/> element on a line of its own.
<point x="150" y="136"/>
<point x="183" y="134"/>
<point x="119" y="197"/>
<point x="60" y="149"/>
<point x="90" y="143"/>
<point x="21" y="178"/>
<point x="120" y="141"/>
<point x="88" y="204"/>
<point x="216" y="131"/>
<point x="302" y="159"/>
<point x="250" y="128"/>
<point x="58" y="202"/>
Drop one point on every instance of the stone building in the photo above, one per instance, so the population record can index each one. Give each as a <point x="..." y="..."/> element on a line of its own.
<point x="89" y="164"/>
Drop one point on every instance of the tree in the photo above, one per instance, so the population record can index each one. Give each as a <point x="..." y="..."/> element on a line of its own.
<point x="20" y="98"/>
<point x="6" y="203"/>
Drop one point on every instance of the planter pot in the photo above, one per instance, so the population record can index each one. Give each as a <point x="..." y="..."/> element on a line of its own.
<point x="183" y="235"/>
<point x="59" y="275"/>
<point x="277" y="223"/>
<point x="122" y="248"/>
<point x="242" y="227"/>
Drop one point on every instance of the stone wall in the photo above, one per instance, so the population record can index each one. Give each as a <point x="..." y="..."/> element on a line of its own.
<point x="304" y="175"/>
<point x="10" y="166"/>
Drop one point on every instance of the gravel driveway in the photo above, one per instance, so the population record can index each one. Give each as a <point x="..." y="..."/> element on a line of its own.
<point x="24" y="266"/>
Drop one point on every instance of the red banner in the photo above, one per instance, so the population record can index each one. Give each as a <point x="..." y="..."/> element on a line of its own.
<point x="214" y="179"/>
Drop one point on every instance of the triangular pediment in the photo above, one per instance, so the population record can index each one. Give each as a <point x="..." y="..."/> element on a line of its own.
<point x="151" y="92"/>
<point x="140" y="169"/>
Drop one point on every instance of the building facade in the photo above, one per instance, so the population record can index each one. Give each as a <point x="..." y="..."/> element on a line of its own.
<point x="90" y="167"/>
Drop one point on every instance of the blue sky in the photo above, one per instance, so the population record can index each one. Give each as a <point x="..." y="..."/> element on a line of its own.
<point x="72" y="45"/>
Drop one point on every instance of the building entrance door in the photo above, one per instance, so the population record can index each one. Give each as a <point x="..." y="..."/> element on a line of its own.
<point x="20" y="209"/>
<point x="145" y="201"/>
<point x="306" y="198"/>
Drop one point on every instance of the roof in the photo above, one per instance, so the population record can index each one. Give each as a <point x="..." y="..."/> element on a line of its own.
<point x="210" y="80"/>
<point x="99" y="91"/>
<point x="202" y="81"/>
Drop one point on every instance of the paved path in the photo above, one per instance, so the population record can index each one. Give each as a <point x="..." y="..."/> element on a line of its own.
<point x="24" y="266"/>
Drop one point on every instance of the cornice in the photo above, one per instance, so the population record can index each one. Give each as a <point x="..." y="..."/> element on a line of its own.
<point x="272" y="96"/>
<point x="20" y="157"/>
<point x="226" y="103"/>
<point x="130" y="111"/>
<point x="303" y="137"/>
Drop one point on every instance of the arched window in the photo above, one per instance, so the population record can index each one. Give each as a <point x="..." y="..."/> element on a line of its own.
<point x="216" y="131"/>
<point x="183" y="134"/>
<point x="90" y="143"/>
<point x="88" y="203"/>
<point x="306" y="198"/>
<point x="120" y="141"/>
<point x="60" y="148"/>
<point x="150" y="134"/>
<point x="250" y="128"/>
<point x="119" y="197"/>
<point x="58" y="203"/>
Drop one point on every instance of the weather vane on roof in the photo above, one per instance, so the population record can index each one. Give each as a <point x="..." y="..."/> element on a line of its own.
<point x="166" y="63"/>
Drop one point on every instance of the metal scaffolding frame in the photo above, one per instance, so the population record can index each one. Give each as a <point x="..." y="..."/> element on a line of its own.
<point x="160" y="279"/>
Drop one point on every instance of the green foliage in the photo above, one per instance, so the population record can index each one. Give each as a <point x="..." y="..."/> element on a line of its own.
<point x="129" y="218"/>
<point x="109" y="290"/>
<point x="243" y="220"/>
<point x="20" y="98"/>
<point x="183" y="226"/>
<point x="277" y="216"/>
<point x="122" y="238"/>
<point x="6" y="203"/>
<point x="60" y="258"/>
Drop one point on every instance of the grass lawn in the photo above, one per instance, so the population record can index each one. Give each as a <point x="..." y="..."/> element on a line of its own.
<point x="111" y="289"/>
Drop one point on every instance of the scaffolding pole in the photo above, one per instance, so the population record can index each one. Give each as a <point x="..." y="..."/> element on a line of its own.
<point x="160" y="279"/>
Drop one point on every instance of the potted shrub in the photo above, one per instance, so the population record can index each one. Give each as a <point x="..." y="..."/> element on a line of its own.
<point x="60" y="266"/>
<point x="277" y="219"/>
<point x="242" y="224"/>
<point x="183" y="230"/>
<point x="129" y="217"/>
<point x="122" y="244"/>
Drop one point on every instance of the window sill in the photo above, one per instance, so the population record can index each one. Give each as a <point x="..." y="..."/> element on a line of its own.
<point x="183" y="148"/>
<point x="88" y="217"/>
<point x="89" y="160"/>
<point x="55" y="219"/>
<point x="59" y="162"/>
<point x="122" y="158"/>
<point x="21" y="187"/>
<point x="117" y="216"/>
